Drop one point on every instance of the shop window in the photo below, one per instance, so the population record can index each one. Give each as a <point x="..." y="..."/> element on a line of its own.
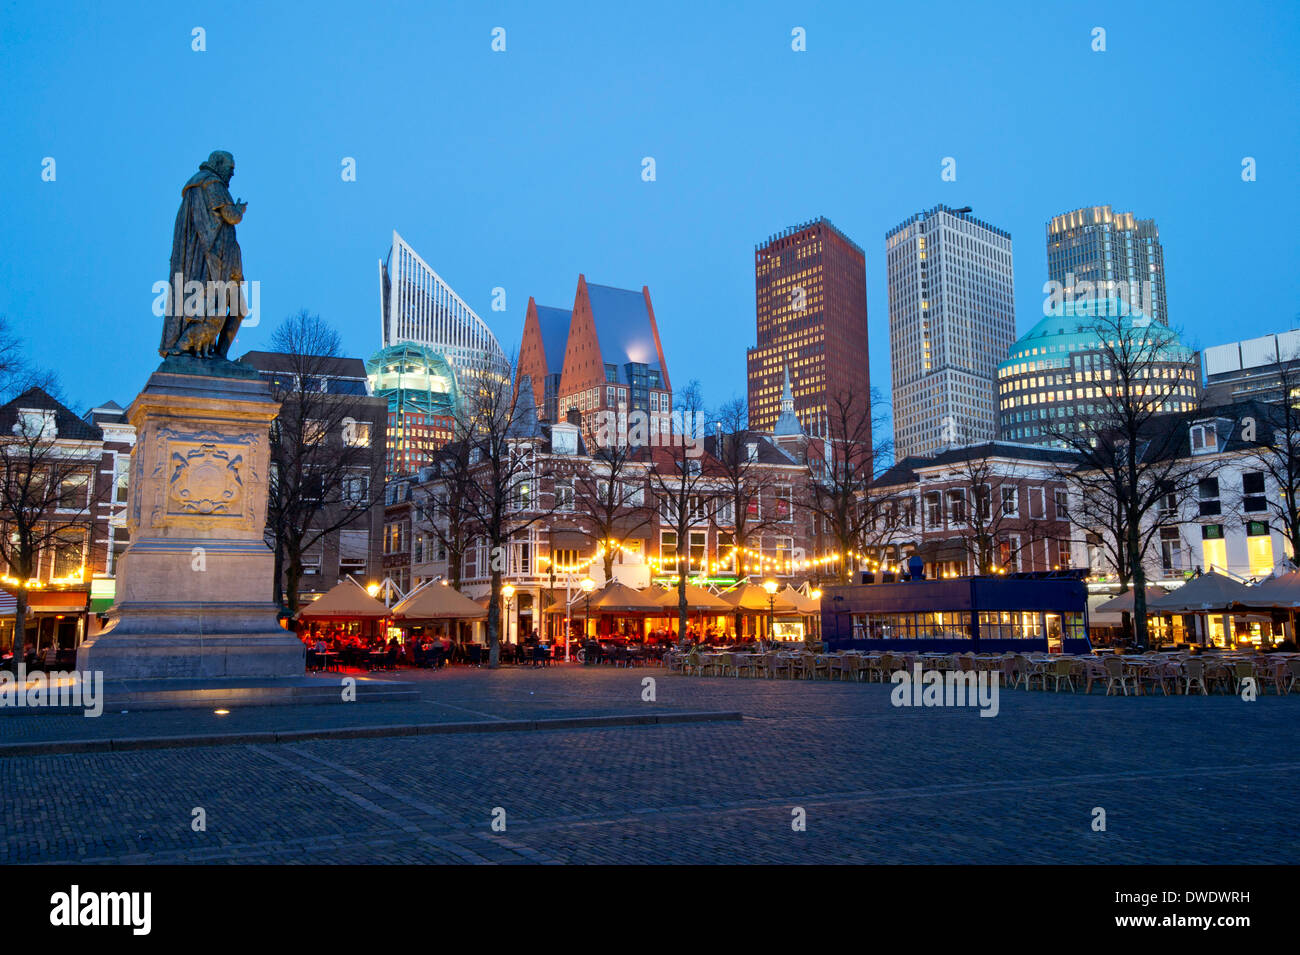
<point x="1259" y="548"/>
<point x="1213" y="547"/>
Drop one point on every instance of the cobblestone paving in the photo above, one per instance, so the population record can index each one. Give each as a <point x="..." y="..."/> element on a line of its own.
<point x="1181" y="781"/>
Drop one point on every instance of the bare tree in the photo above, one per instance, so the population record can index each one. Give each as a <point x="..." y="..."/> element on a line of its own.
<point x="444" y="510"/>
<point x="842" y="492"/>
<point x="1276" y="451"/>
<point x="499" y="424"/>
<point x="987" y="525"/>
<point x="1130" y="457"/>
<point x="609" y="499"/>
<point x="321" y="457"/>
<point x="684" y="481"/>
<point x="743" y="478"/>
<point x="47" y="494"/>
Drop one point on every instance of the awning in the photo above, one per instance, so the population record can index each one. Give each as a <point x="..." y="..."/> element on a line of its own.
<point x="698" y="600"/>
<point x="1281" y="592"/>
<point x="46" y="601"/>
<point x="1124" y="602"/>
<point x="754" y="597"/>
<point x="619" y="598"/>
<point x="1210" y="592"/>
<point x="433" y="601"/>
<point x="806" y="606"/>
<point x="345" y="601"/>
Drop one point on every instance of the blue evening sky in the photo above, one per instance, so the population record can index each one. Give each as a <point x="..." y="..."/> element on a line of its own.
<point x="521" y="169"/>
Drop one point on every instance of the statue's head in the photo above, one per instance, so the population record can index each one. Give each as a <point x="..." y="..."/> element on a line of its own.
<point x="222" y="163"/>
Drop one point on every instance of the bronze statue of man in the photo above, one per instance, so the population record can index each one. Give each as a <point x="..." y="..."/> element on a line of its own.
<point x="206" y="303"/>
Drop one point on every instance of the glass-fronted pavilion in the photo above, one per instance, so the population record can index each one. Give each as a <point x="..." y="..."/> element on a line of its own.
<point x="1043" y="612"/>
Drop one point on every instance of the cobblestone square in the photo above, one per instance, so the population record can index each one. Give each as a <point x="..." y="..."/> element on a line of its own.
<point x="1181" y="780"/>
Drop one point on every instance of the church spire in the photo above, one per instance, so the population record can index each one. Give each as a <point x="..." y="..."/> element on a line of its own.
<point x="788" y="422"/>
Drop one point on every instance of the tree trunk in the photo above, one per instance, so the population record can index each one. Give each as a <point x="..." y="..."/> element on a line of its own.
<point x="1139" y="587"/>
<point x="453" y="568"/>
<point x="609" y="564"/>
<point x="681" y="603"/>
<point x="20" y="628"/>
<point x="494" y="623"/>
<point x="292" y="580"/>
<point x="278" y="587"/>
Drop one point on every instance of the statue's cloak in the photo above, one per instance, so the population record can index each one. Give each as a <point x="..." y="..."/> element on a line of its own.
<point x="204" y="249"/>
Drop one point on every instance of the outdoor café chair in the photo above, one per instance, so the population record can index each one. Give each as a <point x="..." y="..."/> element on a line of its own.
<point x="812" y="664"/>
<point x="1293" y="666"/>
<point x="1060" y="670"/>
<point x="1242" y="671"/>
<point x="784" y="664"/>
<point x="1093" y="672"/>
<point x="1218" y="675"/>
<point x="1160" y="674"/>
<point x="1194" y="671"/>
<point x="1115" y="675"/>
<point x="748" y="665"/>
<point x="880" y="666"/>
<point x="1022" y="670"/>
<point x="855" y="667"/>
<point x="722" y="663"/>
<point x="840" y="664"/>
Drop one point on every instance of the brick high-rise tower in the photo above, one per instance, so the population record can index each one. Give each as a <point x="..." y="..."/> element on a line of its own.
<point x="810" y="285"/>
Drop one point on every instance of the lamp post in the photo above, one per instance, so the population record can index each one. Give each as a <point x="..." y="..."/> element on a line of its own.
<point x="817" y="595"/>
<point x="770" y="587"/>
<point x="587" y="585"/>
<point x="508" y="592"/>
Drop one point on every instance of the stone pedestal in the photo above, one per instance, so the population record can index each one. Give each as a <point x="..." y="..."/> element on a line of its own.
<point x="194" y="587"/>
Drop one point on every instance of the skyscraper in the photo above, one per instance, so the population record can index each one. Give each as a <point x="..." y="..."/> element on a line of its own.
<point x="810" y="287"/>
<point x="417" y="306"/>
<point x="1059" y="374"/>
<point x="951" y="321"/>
<point x="1097" y="253"/>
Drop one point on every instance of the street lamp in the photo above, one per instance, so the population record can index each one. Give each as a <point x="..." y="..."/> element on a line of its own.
<point x="587" y="585"/>
<point x="770" y="587"/>
<point x="508" y="592"/>
<point x="817" y="595"/>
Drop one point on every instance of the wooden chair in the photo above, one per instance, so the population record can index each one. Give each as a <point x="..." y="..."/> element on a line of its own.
<point x="1293" y="668"/>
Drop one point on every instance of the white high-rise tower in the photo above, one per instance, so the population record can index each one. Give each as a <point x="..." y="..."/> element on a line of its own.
<point x="951" y="321"/>
<point x="416" y="305"/>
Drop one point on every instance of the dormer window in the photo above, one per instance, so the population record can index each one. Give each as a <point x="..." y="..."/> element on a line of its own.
<point x="564" y="440"/>
<point x="1204" y="438"/>
<point x="35" y="423"/>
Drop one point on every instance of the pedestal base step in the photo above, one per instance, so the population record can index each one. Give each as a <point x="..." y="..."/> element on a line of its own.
<point x="220" y="694"/>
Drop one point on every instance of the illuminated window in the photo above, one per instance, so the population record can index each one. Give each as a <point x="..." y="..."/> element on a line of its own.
<point x="1214" y="547"/>
<point x="1259" y="547"/>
